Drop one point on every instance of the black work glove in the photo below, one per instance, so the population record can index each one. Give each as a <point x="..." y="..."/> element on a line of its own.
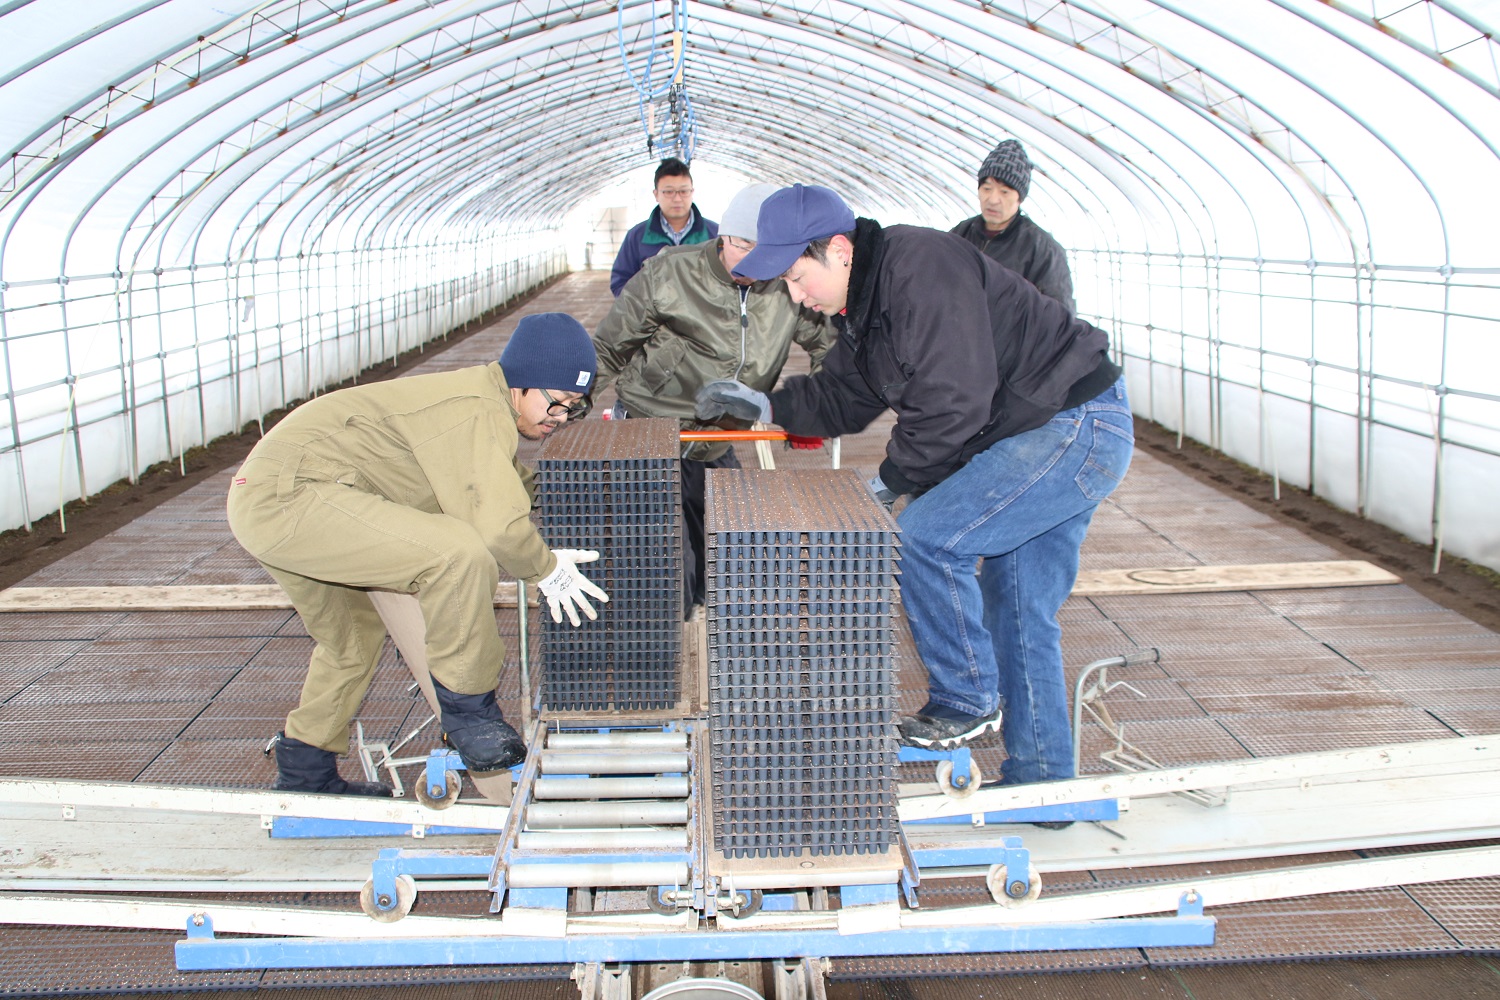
<point x="728" y="398"/>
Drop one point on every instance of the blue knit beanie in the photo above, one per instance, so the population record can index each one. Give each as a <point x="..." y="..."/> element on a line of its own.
<point x="550" y="351"/>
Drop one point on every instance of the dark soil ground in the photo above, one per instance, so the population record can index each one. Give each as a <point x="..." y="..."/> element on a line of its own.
<point x="1468" y="589"/>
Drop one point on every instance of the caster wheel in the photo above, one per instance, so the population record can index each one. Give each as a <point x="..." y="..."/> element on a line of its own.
<point x="656" y="904"/>
<point x="1003" y="890"/>
<point x="746" y="903"/>
<point x="454" y="785"/>
<point x="406" y="895"/>
<point x="964" y="787"/>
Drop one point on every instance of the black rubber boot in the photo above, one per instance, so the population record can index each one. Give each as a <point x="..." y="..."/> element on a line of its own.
<point x="473" y="725"/>
<point x="301" y="767"/>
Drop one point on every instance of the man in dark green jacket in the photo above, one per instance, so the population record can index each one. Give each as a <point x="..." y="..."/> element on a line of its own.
<point x="683" y="322"/>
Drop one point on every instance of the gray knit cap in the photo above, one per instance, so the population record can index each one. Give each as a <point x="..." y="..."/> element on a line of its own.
<point x="1009" y="165"/>
<point x="739" y="219"/>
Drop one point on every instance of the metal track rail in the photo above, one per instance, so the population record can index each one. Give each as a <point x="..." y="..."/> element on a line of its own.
<point x="68" y="795"/>
<point x="1413" y="793"/>
<point x="767" y="933"/>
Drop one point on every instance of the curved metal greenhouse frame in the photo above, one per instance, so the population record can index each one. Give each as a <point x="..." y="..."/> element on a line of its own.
<point x="1282" y="210"/>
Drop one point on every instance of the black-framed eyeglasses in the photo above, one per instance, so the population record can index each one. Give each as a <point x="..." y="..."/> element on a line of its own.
<point x="745" y="246"/>
<point x="571" y="411"/>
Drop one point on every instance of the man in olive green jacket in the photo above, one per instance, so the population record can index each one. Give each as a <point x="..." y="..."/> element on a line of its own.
<point x="413" y="485"/>
<point x="682" y="322"/>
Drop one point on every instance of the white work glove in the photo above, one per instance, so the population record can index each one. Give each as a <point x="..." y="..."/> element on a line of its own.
<point x="564" y="587"/>
<point x="728" y="398"/>
<point x="883" y="493"/>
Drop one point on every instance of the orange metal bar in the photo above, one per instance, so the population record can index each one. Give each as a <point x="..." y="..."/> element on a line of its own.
<point x="732" y="435"/>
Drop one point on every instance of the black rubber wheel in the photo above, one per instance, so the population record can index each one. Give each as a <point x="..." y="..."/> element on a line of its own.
<point x="656" y="904"/>
<point x="749" y="903"/>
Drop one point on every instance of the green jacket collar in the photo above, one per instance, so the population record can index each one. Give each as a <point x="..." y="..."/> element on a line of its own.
<point x="656" y="235"/>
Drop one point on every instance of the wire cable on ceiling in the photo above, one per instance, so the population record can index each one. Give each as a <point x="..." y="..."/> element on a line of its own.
<point x="678" y="133"/>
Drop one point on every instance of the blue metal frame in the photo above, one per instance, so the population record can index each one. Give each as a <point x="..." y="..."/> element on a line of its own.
<point x="961" y="758"/>
<point x="1011" y="854"/>
<point x="293" y="827"/>
<point x="962" y="761"/>
<point x="434" y="775"/>
<point x="1097" y="809"/>
<point x="393" y="862"/>
<point x="203" y="952"/>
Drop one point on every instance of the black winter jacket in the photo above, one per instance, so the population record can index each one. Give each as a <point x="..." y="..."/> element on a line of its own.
<point x="1027" y="248"/>
<point x="965" y="351"/>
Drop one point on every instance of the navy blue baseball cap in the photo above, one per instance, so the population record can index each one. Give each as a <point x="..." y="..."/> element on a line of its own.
<point x="789" y="220"/>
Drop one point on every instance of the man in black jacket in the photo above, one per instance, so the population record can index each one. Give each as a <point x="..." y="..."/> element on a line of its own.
<point x="1004" y="232"/>
<point x="1011" y="426"/>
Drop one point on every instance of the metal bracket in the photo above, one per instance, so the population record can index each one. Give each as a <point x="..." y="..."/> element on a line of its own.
<point x="1088" y="697"/>
<point x="799" y="979"/>
<point x="602" y="980"/>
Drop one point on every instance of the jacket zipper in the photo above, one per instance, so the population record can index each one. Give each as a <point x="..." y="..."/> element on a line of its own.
<point x="744" y="291"/>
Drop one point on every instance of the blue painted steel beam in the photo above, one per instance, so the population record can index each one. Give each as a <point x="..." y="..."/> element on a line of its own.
<point x="290" y="827"/>
<point x="1098" y="809"/>
<point x="203" y="952"/>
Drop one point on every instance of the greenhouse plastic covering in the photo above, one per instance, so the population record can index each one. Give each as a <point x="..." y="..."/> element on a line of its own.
<point x="1282" y="211"/>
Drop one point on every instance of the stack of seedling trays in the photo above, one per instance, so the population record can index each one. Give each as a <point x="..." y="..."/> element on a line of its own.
<point x="612" y="485"/>
<point x="802" y="646"/>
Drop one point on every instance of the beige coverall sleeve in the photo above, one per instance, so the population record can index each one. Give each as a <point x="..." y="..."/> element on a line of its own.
<point x="631" y="322"/>
<point x="528" y="480"/>
<point x="474" y="476"/>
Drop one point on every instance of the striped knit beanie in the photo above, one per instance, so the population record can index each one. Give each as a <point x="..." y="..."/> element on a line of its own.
<point x="1009" y="165"/>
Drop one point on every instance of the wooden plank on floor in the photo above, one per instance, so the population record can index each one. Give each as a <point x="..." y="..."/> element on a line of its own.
<point x="1252" y="576"/>
<point x="235" y="597"/>
<point x="1099" y="583"/>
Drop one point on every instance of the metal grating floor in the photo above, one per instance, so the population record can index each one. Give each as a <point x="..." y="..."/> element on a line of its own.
<point x="1241" y="675"/>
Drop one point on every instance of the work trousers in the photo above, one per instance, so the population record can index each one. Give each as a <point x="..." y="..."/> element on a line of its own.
<point x="325" y="543"/>
<point x="992" y="640"/>
<point x="694" y="556"/>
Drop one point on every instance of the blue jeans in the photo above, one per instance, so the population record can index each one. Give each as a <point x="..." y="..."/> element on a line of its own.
<point x="992" y="640"/>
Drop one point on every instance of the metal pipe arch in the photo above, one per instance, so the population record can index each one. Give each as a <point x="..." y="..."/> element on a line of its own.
<point x="323" y="116"/>
<point x="535" y="209"/>
<point x="321" y="86"/>
<point x="278" y="102"/>
<point x="553" y="46"/>
<point x="424" y="70"/>
<point x="82" y="112"/>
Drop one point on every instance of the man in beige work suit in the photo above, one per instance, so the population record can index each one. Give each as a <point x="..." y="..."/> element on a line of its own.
<point x="413" y="485"/>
